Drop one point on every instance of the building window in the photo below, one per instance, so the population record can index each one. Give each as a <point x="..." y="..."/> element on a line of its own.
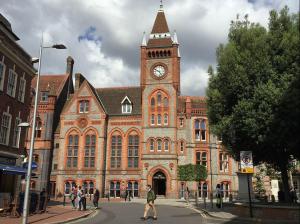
<point x="181" y="122"/>
<point x="35" y="158"/>
<point x="89" y="153"/>
<point x="83" y="106"/>
<point x="159" y="145"/>
<point x="135" y="189"/>
<point x="67" y="188"/>
<point x="91" y="187"/>
<point x="126" y="106"/>
<point x="16" y="138"/>
<point x="152" y="102"/>
<point x="115" y="189"/>
<point x="201" y="158"/>
<point x="152" y="119"/>
<point x="38" y="128"/>
<point x="225" y="189"/>
<point x="166" y="145"/>
<point x="158" y="119"/>
<point x="158" y="98"/>
<point x="22" y="88"/>
<point x="57" y="145"/>
<point x="116" y="149"/>
<point x="2" y="75"/>
<point x="44" y="96"/>
<point x="200" y="130"/>
<point x="5" y="128"/>
<point x="202" y="188"/>
<point x="166" y="119"/>
<point x="152" y="145"/>
<point x="11" y="84"/>
<point x="166" y="102"/>
<point x="133" y="151"/>
<point x="181" y="146"/>
<point x="55" y="166"/>
<point x="223" y="162"/>
<point x="72" y="156"/>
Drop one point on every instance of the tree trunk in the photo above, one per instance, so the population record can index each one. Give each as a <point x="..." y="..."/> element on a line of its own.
<point x="285" y="181"/>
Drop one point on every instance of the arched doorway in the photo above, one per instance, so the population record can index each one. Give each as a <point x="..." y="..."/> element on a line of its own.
<point x="159" y="183"/>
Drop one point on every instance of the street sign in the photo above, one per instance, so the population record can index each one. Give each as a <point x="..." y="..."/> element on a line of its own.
<point x="246" y="162"/>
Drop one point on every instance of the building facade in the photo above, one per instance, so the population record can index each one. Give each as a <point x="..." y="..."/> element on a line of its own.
<point x="118" y="138"/>
<point x="16" y="73"/>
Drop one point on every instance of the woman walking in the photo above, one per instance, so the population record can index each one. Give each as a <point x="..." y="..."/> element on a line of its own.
<point x="96" y="198"/>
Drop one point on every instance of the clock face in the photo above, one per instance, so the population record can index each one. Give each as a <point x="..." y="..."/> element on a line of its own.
<point x="159" y="71"/>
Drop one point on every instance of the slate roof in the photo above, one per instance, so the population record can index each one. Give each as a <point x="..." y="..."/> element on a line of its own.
<point x="112" y="98"/>
<point x="52" y="83"/>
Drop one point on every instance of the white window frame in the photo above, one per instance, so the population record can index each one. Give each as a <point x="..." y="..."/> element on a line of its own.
<point x="16" y="136"/>
<point x="86" y="106"/>
<point x="22" y="89"/>
<point x="3" y="75"/>
<point x="44" y="96"/>
<point x="166" y="119"/>
<point x="161" y="145"/>
<point x="126" y="105"/>
<point x="15" y="76"/>
<point x="7" y="135"/>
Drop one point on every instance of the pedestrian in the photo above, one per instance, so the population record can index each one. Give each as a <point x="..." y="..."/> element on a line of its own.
<point x="126" y="194"/>
<point x="79" y="198"/>
<point x="83" y="198"/>
<point x="42" y="200"/>
<point x="293" y="195"/>
<point x="96" y="198"/>
<point x="187" y="195"/>
<point x="219" y="196"/>
<point x="73" y="196"/>
<point x="150" y="203"/>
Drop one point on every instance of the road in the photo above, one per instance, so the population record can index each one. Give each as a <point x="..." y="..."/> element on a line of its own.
<point x="123" y="213"/>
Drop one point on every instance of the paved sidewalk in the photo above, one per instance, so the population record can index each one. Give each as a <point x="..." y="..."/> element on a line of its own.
<point x="56" y="213"/>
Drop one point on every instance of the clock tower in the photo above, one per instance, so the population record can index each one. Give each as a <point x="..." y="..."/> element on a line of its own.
<point x="160" y="86"/>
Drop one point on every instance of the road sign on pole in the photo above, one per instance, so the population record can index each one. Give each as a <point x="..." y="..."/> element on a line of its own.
<point x="246" y="162"/>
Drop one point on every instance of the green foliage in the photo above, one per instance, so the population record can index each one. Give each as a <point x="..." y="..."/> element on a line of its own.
<point x="191" y="172"/>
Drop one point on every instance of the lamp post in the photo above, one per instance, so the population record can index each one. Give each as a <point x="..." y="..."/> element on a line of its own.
<point x="28" y="175"/>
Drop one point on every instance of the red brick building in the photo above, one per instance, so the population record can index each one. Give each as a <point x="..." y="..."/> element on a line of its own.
<point x="16" y="73"/>
<point x="128" y="137"/>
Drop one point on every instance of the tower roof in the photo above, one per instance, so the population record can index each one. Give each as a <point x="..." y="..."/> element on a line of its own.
<point x="160" y="35"/>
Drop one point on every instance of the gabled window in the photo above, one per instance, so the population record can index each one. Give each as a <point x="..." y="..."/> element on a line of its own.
<point x="44" y="96"/>
<point x="2" y="74"/>
<point x="126" y="106"/>
<point x="5" y="128"/>
<point x="83" y="106"/>
<point x="22" y="88"/>
<point x="12" y="83"/>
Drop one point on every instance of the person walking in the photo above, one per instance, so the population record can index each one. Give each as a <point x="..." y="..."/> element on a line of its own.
<point x="83" y="197"/>
<point x="126" y="194"/>
<point x="187" y="195"/>
<point x="42" y="200"/>
<point x="96" y="198"/>
<point x="79" y="198"/>
<point x="73" y="196"/>
<point x="219" y="196"/>
<point x="150" y="203"/>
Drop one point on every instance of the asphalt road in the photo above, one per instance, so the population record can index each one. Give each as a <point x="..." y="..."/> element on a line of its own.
<point x="123" y="213"/>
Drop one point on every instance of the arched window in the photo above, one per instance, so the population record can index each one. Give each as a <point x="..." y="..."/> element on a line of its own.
<point x="166" y="118"/>
<point x="203" y="130"/>
<point x="158" y="119"/>
<point x="159" y="98"/>
<point x="116" y="149"/>
<point x="91" y="187"/>
<point x="159" y="145"/>
<point x="152" y="102"/>
<point x="112" y="189"/>
<point x="85" y="187"/>
<point x="72" y="156"/>
<point x="67" y="188"/>
<point x="152" y="119"/>
<point x="152" y="145"/>
<point x="166" y="102"/>
<point x="89" y="152"/>
<point x="166" y="145"/>
<point x="133" y="151"/>
<point x="118" y="192"/>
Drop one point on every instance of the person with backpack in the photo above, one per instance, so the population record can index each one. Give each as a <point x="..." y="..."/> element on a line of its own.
<point x="150" y="203"/>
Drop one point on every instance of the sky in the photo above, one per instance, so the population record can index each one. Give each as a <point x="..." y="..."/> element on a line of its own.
<point x="104" y="36"/>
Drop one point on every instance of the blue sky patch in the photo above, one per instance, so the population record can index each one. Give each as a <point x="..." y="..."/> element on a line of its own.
<point x="90" y="35"/>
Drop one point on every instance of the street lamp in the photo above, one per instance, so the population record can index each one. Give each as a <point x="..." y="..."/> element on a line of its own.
<point x="28" y="175"/>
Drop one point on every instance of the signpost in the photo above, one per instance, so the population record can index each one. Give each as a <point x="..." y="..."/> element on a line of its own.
<point x="247" y="167"/>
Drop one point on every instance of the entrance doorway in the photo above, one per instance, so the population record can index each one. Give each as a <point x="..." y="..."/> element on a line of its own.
<point x="159" y="183"/>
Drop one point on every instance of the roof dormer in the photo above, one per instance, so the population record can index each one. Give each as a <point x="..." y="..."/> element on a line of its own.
<point x="126" y="105"/>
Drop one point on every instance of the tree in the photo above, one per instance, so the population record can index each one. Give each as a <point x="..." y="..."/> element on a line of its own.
<point x="191" y="172"/>
<point x="253" y="98"/>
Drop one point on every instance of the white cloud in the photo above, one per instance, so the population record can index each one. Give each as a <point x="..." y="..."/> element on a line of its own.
<point x="114" y="61"/>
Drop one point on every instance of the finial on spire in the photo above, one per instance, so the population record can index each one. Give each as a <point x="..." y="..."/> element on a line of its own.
<point x="144" y="42"/>
<point x="161" y="4"/>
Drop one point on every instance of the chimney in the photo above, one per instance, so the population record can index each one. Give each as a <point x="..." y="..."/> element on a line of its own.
<point x="69" y="72"/>
<point x="78" y="80"/>
<point x="188" y="107"/>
